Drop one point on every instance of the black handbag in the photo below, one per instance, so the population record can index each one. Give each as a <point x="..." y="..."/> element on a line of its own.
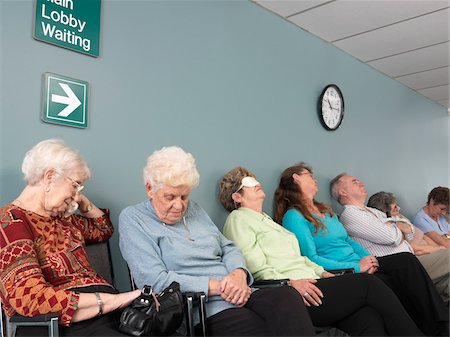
<point x="154" y="315"/>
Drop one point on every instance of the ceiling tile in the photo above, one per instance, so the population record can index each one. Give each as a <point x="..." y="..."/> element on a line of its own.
<point x="404" y="36"/>
<point x="340" y="19"/>
<point x="426" y="79"/>
<point x="418" y="60"/>
<point x="437" y="93"/>
<point x="445" y="103"/>
<point x="407" y="40"/>
<point x="288" y="7"/>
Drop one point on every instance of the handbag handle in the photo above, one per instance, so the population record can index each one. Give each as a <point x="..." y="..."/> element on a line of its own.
<point x="148" y="291"/>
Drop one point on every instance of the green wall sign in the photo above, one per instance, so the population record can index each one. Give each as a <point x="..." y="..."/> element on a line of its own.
<point x="72" y="24"/>
<point x="65" y="101"/>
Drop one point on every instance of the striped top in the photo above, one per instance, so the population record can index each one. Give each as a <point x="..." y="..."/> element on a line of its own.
<point x="374" y="231"/>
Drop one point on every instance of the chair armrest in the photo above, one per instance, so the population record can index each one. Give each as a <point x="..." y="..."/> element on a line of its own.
<point x="39" y="318"/>
<point x="342" y="271"/>
<point x="271" y="283"/>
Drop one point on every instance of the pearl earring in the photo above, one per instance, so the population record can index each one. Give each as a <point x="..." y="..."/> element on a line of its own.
<point x="47" y="189"/>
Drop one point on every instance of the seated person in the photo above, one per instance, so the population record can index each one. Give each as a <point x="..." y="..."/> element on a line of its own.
<point x="170" y="238"/>
<point x="435" y="258"/>
<point x="432" y="218"/>
<point x="44" y="266"/>
<point x="370" y="228"/>
<point x="358" y="304"/>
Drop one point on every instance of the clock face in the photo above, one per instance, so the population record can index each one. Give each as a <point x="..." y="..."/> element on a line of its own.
<point x="331" y="107"/>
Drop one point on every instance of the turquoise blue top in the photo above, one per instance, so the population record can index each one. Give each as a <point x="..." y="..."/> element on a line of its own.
<point x="332" y="249"/>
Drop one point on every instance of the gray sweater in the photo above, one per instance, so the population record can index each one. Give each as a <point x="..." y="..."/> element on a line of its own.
<point x="158" y="254"/>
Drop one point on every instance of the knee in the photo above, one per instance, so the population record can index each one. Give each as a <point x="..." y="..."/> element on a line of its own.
<point x="287" y="296"/>
<point x="408" y="260"/>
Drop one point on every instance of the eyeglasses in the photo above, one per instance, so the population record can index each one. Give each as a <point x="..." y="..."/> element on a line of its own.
<point x="75" y="184"/>
<point x="248" y="182"/>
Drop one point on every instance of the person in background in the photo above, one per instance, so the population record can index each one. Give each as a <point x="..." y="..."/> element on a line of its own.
<point x="44" y="266"/>
<point x="435" y="258"/>
<point x="358" y="304"/>
<point x="168" y="237"/>
<point x="432" y="218"/>
<point x="370" y="228"/>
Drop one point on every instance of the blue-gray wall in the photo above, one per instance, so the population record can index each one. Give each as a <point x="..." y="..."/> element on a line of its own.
<point x="227" y="81"/>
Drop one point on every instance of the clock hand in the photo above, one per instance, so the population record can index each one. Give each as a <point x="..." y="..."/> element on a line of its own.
<point x="329" y="103"/>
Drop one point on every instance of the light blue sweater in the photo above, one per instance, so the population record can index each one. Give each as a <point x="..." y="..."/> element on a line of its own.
<point x="333" y="249"/>
<point x="158" y="254"/>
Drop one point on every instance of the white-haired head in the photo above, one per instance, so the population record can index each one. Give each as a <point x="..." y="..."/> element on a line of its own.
<point x="171" y="166"/>
<point x="55" y="154"/>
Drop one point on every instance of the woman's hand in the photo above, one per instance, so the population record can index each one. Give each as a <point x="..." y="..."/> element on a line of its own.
<point x="87" y="208"/>
<point x="327" y="274"/>
<point x="234" y="288"/>
<point x="368" y="264"/>
<point x="311" y="294"/>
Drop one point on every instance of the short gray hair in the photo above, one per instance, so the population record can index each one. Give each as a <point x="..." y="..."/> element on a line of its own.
<point x="171" y="166"/>
<point x="382" y="201"/>
<point x="52" y="153"/>
<point x="334" y="186"/>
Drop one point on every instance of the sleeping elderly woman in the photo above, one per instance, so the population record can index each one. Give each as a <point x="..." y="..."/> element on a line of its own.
<point x="168" y="237"/>
<point x="358" y="304"/>
<point x="44" y="267"/>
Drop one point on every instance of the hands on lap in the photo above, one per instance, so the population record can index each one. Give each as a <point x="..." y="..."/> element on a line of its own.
<point x="307" y="288"/>
<point x="234" y="288"/>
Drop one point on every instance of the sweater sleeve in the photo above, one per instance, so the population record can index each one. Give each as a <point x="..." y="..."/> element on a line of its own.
<point x="360" y="250"/>
<point x="231" y="254"/>
<point x="244" y="236"/>
<point x="295" y="222"/>
<point x="94" y="229"/>
<point x="366" y="225"/>
<point x="145" y="259"/>
<point x="24" y="289"/>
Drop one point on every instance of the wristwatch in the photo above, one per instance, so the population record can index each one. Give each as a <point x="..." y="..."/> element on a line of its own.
<point x="88" y="208"/>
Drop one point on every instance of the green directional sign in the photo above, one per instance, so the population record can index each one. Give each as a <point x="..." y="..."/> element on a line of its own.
<point x="65" y="101"/>
<point x="72" y="24"/>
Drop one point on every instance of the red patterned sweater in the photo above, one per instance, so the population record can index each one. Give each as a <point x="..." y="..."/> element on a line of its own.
<point x="41" y="258"/>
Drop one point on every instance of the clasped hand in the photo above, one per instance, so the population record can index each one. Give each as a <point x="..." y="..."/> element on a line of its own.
<point x="234" y="288"/>
<point x="369" y="264"/>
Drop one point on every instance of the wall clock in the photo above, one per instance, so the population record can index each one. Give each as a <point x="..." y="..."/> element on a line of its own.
<point x="331" y="107"/>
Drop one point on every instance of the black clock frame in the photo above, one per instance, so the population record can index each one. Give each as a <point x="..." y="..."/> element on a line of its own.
<point x="319" y="107"/>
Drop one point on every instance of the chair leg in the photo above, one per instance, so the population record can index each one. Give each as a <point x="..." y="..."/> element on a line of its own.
<point x="189" y="315"/>
<point x="13" y="330"/>
<point x="53" y="327"/>
<point x="202" y="311"/>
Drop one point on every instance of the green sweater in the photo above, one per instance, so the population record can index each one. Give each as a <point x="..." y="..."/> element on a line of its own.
<point x="270" y="251"/>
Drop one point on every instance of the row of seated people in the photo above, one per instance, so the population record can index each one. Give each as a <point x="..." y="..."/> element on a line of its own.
<point x="168" y="238"/>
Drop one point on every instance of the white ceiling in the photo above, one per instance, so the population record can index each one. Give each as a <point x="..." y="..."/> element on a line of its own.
<point x="407" y="40"/>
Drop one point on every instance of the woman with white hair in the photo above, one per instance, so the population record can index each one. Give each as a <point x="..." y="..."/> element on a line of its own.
<point x="43" y="261"/>
<point x="170" y="238"/>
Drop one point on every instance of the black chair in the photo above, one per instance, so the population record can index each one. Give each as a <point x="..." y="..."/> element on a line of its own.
<point x="99" y="257"/>
<point x="191" y="299"/>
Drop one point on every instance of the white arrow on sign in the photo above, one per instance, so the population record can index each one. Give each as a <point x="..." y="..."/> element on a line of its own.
<point x="71" y="100"/>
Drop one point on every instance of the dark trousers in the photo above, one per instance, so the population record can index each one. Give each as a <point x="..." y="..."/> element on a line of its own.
<point x="362" y="305"/>
<point x="405" y="275"/>
<point x="269" y="312"/>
